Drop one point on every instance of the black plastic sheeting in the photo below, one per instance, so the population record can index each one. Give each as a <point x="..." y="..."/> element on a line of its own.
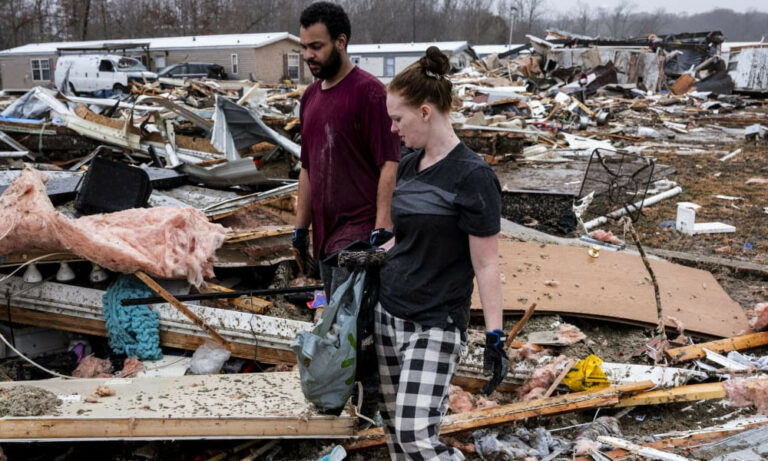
<point x="718" y="83"/>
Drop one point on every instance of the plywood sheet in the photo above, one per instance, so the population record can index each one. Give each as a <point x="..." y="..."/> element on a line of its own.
<point x="214" y="406"/>
<point x="613" y="286"/>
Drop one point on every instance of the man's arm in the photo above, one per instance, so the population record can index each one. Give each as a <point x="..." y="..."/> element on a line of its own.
<point x="304" y="204"/>
<point x="383" y="195"/>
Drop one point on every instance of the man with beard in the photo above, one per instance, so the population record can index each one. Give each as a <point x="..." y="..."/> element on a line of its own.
<point x="348" y="154"/>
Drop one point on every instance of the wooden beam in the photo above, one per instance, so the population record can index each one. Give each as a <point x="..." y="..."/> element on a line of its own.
<point x="736" y="343"/>
<point x="154" y="286"/>
<point x="690" y="393"/>
<point x="245" y="236"/>
<point x="505" y="414"/>
<point x="167" y="338"/>
<point x="173" y="428"/>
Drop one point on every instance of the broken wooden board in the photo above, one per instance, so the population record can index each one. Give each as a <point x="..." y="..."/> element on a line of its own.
<point x="255" y="405"/>
<point x="738" y="343"/>
<point x="505" y="414"/>
<point x="614" y="286"/>
<point x="690" y="393"/>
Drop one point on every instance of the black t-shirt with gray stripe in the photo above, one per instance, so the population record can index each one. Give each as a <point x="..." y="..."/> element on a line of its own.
<point x="427" y="276"/>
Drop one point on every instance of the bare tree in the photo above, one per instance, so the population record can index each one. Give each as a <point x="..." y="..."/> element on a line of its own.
<point x="526" y="14"/>
<point x="619" y="18"/>
<point x="373" y="21"/>
<point x="649" y="23"/>
<point x="582" y="19"/>
<point x="84" y="20"/>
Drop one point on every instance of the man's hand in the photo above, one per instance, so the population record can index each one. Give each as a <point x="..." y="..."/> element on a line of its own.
<point x="300" y="242"/>
<point x="495" y="361"/>
<point x="381" y="236"/>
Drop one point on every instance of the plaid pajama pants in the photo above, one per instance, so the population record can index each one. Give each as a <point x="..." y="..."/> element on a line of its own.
<point x="416" y="366"/>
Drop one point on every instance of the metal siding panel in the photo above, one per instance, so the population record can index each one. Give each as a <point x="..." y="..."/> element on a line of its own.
<point x="401" y="62"/>
<point x="749" y="69"/>
<point x="17" y="71"/>
<point x="373" y="65"/>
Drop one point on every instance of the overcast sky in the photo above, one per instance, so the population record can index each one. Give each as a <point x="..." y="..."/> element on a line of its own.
<point x="677" y="6"/>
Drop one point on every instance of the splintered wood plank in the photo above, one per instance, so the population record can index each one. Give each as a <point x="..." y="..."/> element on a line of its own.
<point x="154" y="286"/>
<point x="245" y="236"/>
<point x="504" y="414"/>
<point x="693" y="392"/>
<point x="613" y="286"/>
<point x="213" y="406"/>
<point x="738" y="343"/>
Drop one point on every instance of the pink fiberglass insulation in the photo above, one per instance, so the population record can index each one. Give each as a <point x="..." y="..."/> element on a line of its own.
<point x="747" y="392"/>
<point x="459" y="400"/>
<point x="570" y="334"/>
<point x="759" y="320"/>
<point x="92" y="367"/>
<point x="131" y="367"/>
<point x="167" y="242"/>
<point x="527" y="352"/>
<point x="482" y="403"/>
<point x="540" y="380"/>
<point x="604" y="236"/>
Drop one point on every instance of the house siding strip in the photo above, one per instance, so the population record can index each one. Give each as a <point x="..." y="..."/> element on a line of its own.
<point x="17" y="71"/>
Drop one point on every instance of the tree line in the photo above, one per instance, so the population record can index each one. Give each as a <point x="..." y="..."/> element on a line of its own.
<point x="373" y="21"/>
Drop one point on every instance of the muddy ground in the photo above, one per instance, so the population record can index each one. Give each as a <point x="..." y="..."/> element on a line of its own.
<point x="702" y="178"/>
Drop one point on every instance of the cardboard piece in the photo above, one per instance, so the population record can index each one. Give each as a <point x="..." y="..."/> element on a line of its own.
<point x="615" y="286"/>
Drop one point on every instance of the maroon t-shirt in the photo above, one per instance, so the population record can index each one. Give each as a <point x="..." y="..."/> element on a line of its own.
<point x="345" y="138"/>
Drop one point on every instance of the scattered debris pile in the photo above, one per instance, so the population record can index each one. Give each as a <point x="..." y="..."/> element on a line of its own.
<point x="193" y="181"/>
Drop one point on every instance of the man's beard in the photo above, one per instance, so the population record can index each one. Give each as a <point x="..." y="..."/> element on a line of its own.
<point x="329" y="68"/>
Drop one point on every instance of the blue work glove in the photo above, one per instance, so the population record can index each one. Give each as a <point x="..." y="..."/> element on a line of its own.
<point x="381" y="236"/>
<point x="495" y="361"/>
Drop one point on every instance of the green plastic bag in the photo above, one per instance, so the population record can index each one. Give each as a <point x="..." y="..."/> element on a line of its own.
<point x="326" y="355"/>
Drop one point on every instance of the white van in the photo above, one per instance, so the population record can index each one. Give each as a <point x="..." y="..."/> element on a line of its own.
<point x="88" y="73"/>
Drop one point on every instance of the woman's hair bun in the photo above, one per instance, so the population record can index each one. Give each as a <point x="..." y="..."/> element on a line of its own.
<point x="435" y="61"/>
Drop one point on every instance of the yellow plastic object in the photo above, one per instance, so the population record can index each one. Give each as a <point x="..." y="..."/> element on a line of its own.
<point x="587" y="375"/>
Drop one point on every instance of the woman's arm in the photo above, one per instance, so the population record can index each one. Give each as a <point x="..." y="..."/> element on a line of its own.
<point x="484" y="252"/>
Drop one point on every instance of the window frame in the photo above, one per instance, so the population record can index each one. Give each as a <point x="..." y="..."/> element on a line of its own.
<point x="234" y="63"/>
<point x="389" y="66"/>
<point x="109" y="63"/>
<point x="296" y="66"/>
<point x="40" y="70"/>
